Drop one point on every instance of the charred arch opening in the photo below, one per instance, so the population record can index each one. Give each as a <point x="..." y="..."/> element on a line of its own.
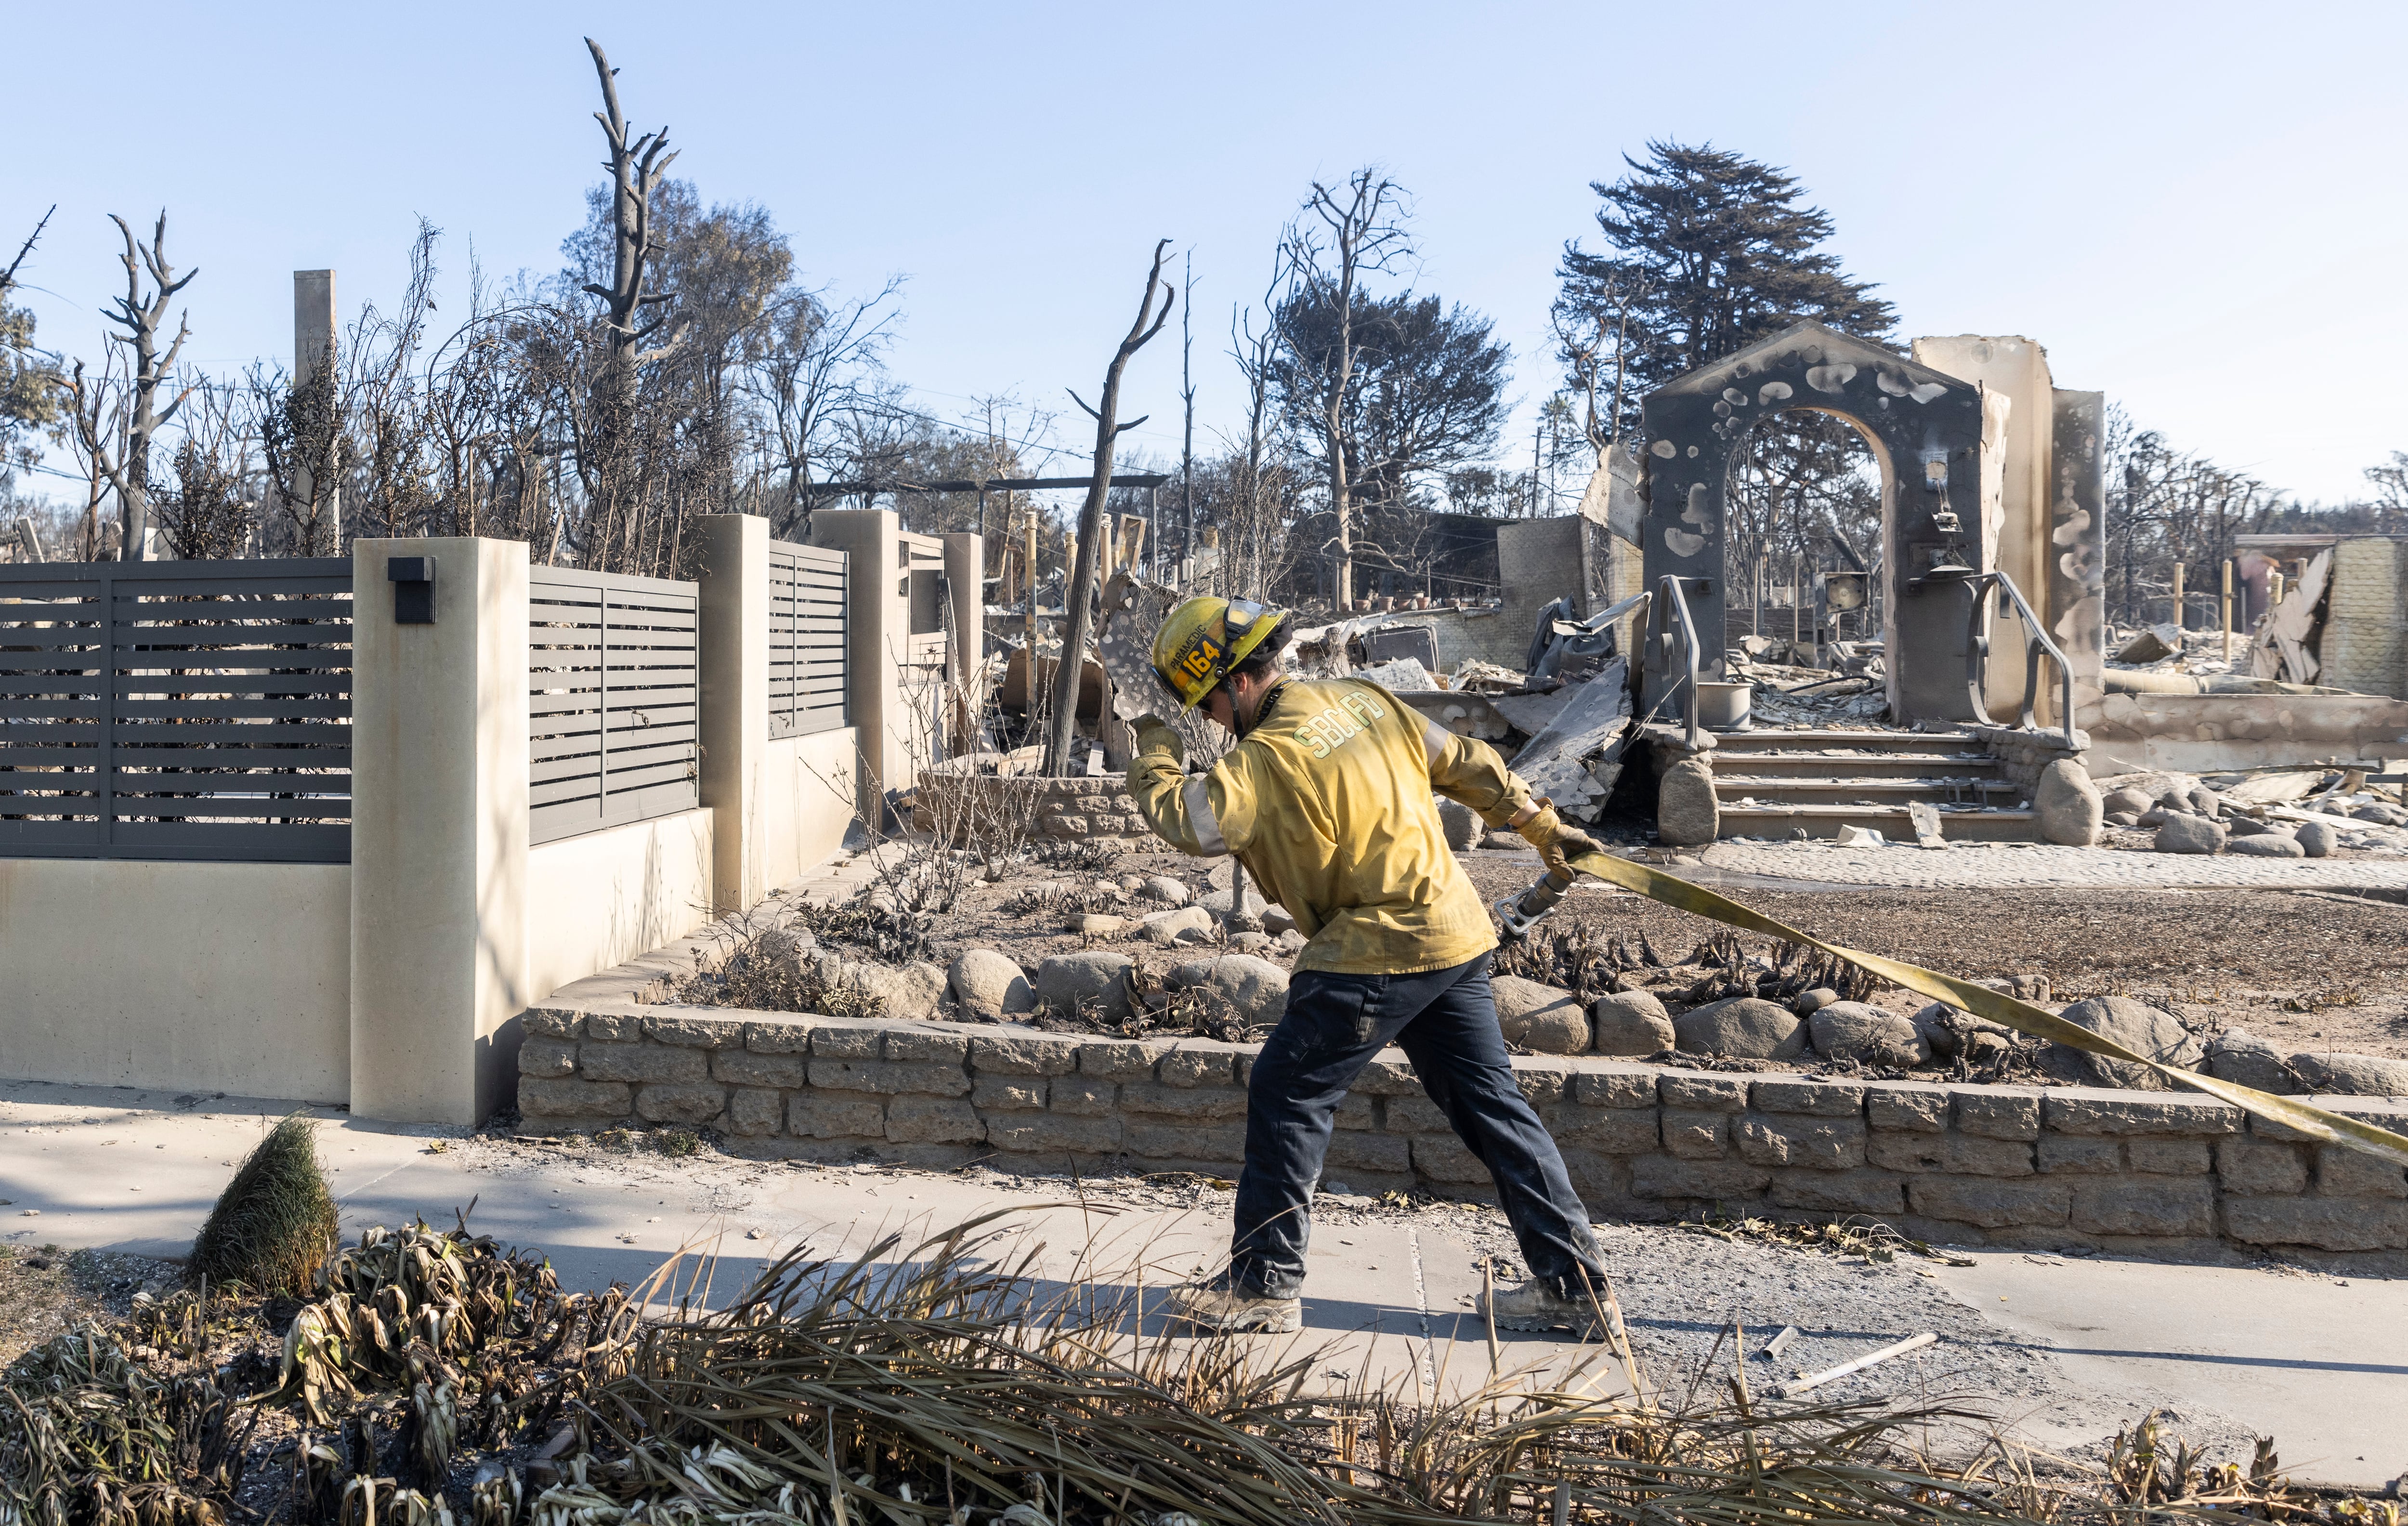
<point x="1803" y="494"/>
<point x="1927" y="433"/>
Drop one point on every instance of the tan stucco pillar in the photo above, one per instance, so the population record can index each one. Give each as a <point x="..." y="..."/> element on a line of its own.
<point x="966" y="583"/>
<point x="735" y="642"/>
<point x="878" y="638"/>
<point x="438" y="833"/>
<point x="2014" y="368"/>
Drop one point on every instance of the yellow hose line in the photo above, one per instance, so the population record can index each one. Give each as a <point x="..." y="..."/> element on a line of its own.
<point x="2314" y="1122"/>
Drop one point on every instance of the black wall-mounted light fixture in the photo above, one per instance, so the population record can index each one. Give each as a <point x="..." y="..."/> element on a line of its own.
<point x="413" y="589"/>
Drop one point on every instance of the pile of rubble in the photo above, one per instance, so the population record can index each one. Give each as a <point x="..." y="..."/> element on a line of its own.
<point x="2269" y="814"/>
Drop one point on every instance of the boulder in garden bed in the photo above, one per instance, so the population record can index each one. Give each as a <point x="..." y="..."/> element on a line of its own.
<point x="2240" y="1056"/>
<point x="2137" y="1026"/>
<point x="1217" y="901"/>
<point x="2068" y="805"/>
<point x="2267" y="845"/>
<point x="1096" y="979"/>
<point x="1742" y="1028"/>
<point x="1867" y="1035"/>
<point x="1631" y="1024"/>
<point x="1180" y="925"/>
<point x="2355" y="1075"/>
<point x="1462" y="824"/>
<point x="1162" y="887"/>
<point x="2316" y="838"/>
<point x="990" y="985"/>
<point x="1807" y="1003"/>
<point x="908" y="991"/>
<point x="1539" y="1017"/>
<point x="2128" y="800"/>
<point x="2189" y="834"/>
<point x="1687" y="812"/>
<point x="1255" y="989"/>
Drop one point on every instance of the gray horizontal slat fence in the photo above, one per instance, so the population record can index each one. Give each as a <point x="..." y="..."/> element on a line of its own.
<point x="177" y="709"/>
<point x="808" y="668"/>
<point x="612" y="701"/>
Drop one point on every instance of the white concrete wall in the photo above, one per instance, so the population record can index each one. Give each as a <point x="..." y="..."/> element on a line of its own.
<point x="600" y="899"/>
<point x="195" y="976"/>
<point x="805" y="798"/>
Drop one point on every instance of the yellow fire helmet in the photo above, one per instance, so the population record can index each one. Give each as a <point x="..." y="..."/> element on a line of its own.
<point x="1205" y="636"/>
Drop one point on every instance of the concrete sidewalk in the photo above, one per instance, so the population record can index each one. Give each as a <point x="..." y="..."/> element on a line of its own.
<point x="2316" y="1361"/>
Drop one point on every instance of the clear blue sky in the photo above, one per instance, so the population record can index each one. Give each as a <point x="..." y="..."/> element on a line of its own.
<point x="2198" y="209"/>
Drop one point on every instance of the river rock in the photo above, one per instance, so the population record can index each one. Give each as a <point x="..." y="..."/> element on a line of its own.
<point x="1255" y="989"/>
<point x="908" y="991"/>
<point x="1277" y="921"/>
<point x="1742" y="1028"/>
<point x="2068" y="805"/>
<point x="1462" y="824"/>
<point x="2316" y="838"/>
<point x="1099" y="924"/>
<point x="1180" y="925"/>
<point x="989" y="984"/>
<point x="1162" y="887"/>
<point x="2240" y="1056"/>
<point x="1096" y="979"/>
<point x="2357" y="1076"/>
<point x="1217" y="901"/>
<point x="1851" y="1030"/>
<point x="1687" y="812"/>
<point x="1539" y="1017"/>
<point x="2128" y="800"/>
<point x="1807" y="1002"/>
<point x="2189" y="834"/>
<point x="1630" y="1023"/>
<point x="2267" y="845"/>
<point x="2137" y="1026"/>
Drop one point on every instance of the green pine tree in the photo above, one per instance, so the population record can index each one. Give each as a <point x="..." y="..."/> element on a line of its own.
<point x="1708" y="252"/>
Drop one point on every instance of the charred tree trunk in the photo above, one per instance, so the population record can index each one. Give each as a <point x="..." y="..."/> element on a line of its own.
<point x="1080" y="596"/>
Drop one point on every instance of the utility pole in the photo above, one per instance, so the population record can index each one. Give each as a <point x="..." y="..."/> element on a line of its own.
<point x="1187" y="394"/>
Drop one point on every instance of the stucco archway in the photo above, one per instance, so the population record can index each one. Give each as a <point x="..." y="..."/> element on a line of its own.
<point x="1931" y="435"/>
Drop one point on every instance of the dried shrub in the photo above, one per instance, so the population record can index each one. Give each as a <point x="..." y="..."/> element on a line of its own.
<point x="275" y="1223"/>
<point x="762" y="966"/>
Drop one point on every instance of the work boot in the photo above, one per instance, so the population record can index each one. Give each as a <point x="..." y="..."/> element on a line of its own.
<point x="1536" y="1306"/>
<point x="1226" y="1311"/>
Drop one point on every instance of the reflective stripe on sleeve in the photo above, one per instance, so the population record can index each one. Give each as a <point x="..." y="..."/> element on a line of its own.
<point x="1200" y="815"/>
<point x="1434" y="740"/>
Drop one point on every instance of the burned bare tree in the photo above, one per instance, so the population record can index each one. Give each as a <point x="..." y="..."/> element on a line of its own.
<point x="1081" y="593"/>
<point x="607" y="443"/>
<point x="1362" y="232"/>
<point x="127" y="466"/>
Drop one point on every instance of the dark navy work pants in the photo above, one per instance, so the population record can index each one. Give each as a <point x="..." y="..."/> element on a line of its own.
<point x="1446" y="1022"/>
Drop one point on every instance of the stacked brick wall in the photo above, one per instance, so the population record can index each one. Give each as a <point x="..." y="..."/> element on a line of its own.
<point x="2365" y="643"/>
<point x="2061" y="1167"/>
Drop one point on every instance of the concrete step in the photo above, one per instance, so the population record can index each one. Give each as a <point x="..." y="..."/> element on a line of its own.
<point x="1841" y="792"/>
<point x="1892" y="822"/>
<point x="1868" y="740"/>
<point x="1822" y="765"/>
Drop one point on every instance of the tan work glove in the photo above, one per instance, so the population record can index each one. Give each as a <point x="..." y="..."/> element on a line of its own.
<point x="1153" y="731"/>
<point x="1556" y="841"/>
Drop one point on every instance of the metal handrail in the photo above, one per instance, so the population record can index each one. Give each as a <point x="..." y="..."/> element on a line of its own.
<point x="1660" y="614"/>
<point x="2036" y="644"/>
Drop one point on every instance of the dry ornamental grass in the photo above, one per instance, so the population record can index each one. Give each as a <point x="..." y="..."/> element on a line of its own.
<point x="436" y="1377"/>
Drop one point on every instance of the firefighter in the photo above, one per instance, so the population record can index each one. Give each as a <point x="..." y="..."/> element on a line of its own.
<point x="1327" y="798"/>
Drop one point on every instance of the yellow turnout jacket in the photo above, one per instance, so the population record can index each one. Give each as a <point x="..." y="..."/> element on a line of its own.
<point x="1327" y="803"/>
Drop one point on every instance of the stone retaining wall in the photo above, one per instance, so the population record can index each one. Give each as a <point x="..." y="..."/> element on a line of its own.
<point x="1062" y="808"/>
<point x="2176" y="1174"/>
<point x="2025" y="756"/>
